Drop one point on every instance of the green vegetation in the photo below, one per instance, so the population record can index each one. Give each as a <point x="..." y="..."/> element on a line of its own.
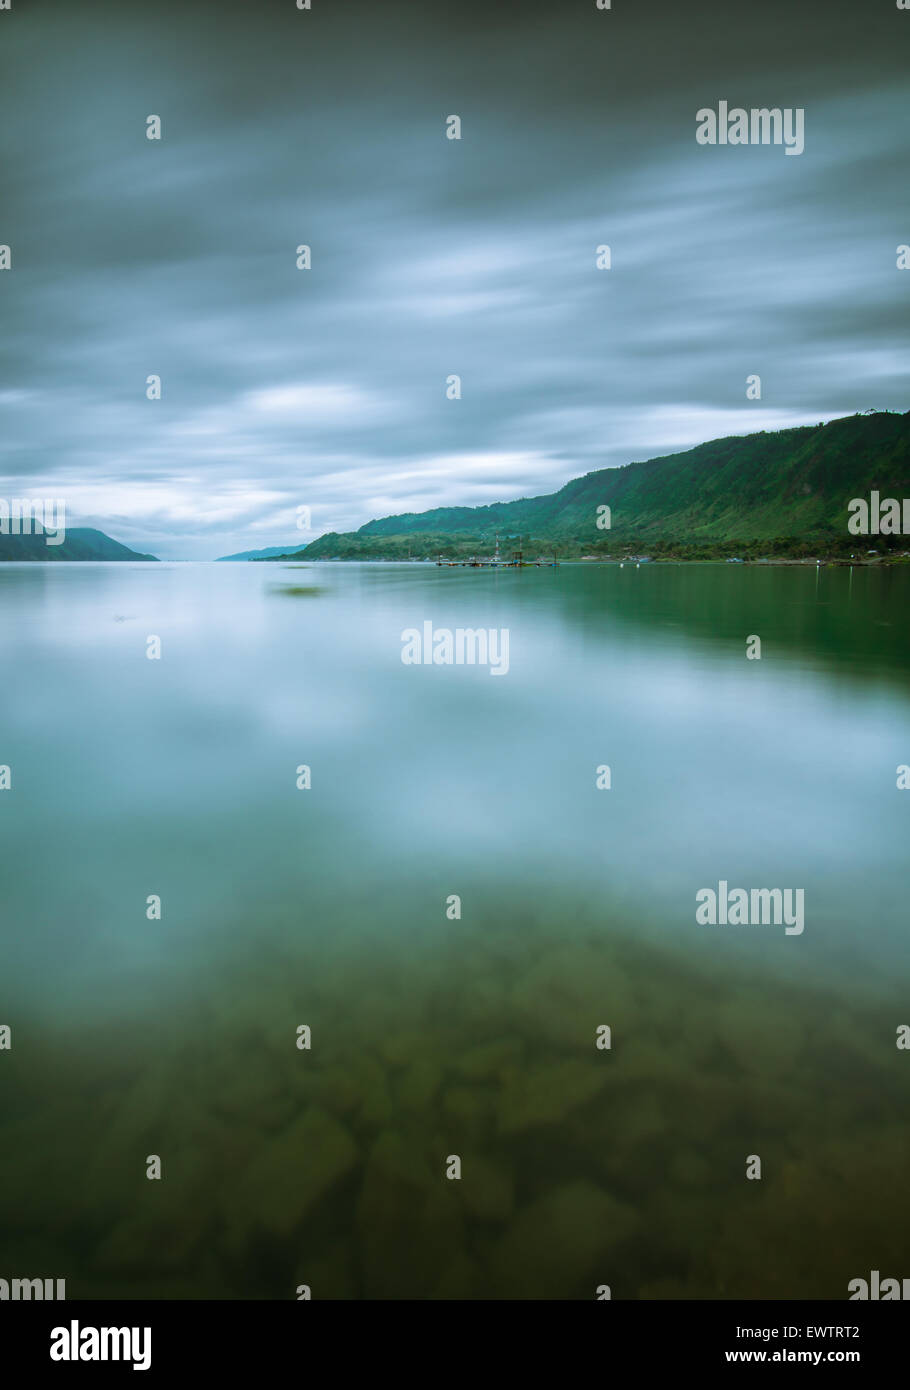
<point x="774" y="495"/>
<point x="80" y="543"/>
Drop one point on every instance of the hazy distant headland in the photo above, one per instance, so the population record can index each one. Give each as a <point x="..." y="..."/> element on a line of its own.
<point x="780" y="495"/>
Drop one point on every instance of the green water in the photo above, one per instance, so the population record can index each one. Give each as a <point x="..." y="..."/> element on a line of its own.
<point x="434" y="1037"/>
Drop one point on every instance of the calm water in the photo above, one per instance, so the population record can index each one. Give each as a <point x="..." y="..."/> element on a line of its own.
<point x="434" y="1037"/>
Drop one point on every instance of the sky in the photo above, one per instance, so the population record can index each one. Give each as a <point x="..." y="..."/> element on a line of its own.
<point x="326" y="389"/>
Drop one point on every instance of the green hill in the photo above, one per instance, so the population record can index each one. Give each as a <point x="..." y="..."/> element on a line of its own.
<point x="80" y="543"/>
<point x="771" y="492"/>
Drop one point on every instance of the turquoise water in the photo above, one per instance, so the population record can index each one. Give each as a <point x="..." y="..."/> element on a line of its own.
<point x="434" y="1037"/>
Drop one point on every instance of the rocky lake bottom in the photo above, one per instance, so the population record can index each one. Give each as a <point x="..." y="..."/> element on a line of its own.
<point x="580" y="1167"/>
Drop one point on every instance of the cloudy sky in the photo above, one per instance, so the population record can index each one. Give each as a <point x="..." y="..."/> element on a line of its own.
<point x="325" y="388"/>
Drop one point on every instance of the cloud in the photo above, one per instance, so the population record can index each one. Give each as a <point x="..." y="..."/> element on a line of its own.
<point x="326" y="388"/>
<point x="323" y="404"/>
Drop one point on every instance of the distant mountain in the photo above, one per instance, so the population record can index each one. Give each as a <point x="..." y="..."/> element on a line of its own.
<point x="269" y="553"/>
<point x="773" y="490"/>
<point x="80" y="543"/>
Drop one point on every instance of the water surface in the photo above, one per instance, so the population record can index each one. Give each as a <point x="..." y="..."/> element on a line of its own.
<point x="434" y="1037"/>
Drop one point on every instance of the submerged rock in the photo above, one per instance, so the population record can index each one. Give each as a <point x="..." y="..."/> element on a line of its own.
<point x="488" y="1061"/>
<point x="331" y="1274"/>
<point x="469" y="1109"/>
<point x="689" y="1169"/>
<point x="408" y="1219"/>
<point x="418" y="1084"/>
<point x="487" y="1189"/>
<point x="462" y="1278"/>
<point x="559" y="1246"/>
<point x="374" y="1105"/>
<point x="153" y="1242"/>
<point x="548" y="1093"/>
<point x="568" y="992"/>
<point x="761" y="1038"/>
<point x="403" y="1047"/>
<point x="253" y="1093"/>
<point x="296" y="1169"/>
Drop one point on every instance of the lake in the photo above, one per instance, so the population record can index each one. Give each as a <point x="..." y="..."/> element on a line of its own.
<point x="456" y="911"/>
